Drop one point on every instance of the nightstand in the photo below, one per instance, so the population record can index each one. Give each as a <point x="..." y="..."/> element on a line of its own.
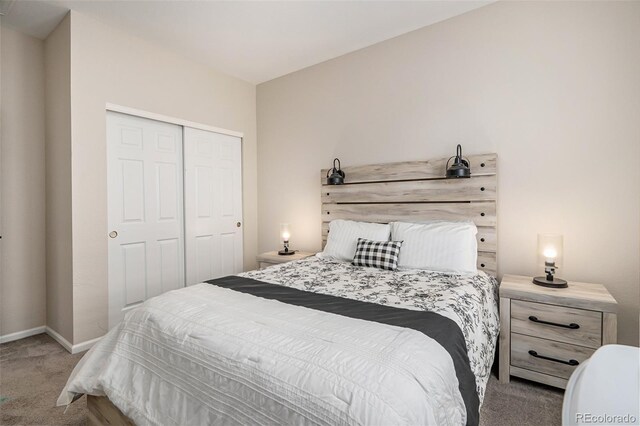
<point x="273" y="258"/>
<point x="545" y="333"/>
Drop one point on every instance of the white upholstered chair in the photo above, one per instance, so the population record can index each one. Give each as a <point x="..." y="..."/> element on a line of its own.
<point x="605" y="389"/>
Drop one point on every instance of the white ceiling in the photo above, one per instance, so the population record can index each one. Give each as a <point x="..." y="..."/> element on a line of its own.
<point x="254" y="40"/>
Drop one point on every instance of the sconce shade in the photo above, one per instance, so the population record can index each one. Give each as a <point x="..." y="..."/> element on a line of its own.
<point x="335" y="176"/>
<point x="460" y="167"/>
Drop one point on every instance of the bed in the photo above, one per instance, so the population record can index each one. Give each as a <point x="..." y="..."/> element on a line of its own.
<point x="317" y="341"/>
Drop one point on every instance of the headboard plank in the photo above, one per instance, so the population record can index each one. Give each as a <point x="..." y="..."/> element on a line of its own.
<point x="412" y="170"/>
<point x="482" y="213"/>
<point x="417" y="191"/>
<point x="487" y="262"/>
<point x="431" y="190"/>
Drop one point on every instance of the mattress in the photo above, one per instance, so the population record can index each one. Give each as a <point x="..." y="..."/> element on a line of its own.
<point x="258" y="349"/>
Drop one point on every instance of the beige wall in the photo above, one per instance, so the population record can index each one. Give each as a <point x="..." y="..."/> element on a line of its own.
<point x="108" y="65"/>
<point x="22" y="215"/>
<point x="58" y="180"/>
<point x="552" y="87"/>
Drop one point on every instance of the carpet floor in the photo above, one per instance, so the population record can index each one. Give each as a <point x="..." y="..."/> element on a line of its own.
<point x="34" y="370"/>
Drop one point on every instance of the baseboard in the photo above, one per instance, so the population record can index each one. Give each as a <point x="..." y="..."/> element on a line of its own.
<point x="73" y="349"/>
<point x="84" y="346"/>
<point x="22" y="334"/>
<point x="58" y="338"/>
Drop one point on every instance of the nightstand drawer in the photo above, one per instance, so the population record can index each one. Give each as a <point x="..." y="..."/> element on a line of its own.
<point x="546" y="356"/>
<point x="568" y="325"/>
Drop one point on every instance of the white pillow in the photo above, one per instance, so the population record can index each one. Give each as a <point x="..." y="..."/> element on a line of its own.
<point x="437" y="246"/>
<point x="344" y="234"/>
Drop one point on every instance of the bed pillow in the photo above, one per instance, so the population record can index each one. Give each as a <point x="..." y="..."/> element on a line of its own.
<point x="377" y="254"/>
<point x="437" y="246"/>
<point x="344" y="234"/>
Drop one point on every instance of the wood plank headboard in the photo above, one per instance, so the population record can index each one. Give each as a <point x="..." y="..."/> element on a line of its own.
<point x="417" y="191"/>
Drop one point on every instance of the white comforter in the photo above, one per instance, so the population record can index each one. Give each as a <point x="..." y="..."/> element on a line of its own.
<point x="208" y="355"/>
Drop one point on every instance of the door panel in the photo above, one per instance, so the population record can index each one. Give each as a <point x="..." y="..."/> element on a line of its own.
<point x="227" y="188"/>
<point x="170" y="260"/>
<point x="130" y="136"/>
<point x="145" y="199"/>
<point x="213" y="205"/>
<point x="228" y="243"/>
<point x="167" y="191"/>
<point x="135" y="272"/>
<point x="204" y="192"/>
<point x="204" y="258"/>
<point x="133" y="190"/>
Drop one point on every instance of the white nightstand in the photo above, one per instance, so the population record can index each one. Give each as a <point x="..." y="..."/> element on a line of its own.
<point x="545" y="333"/>
<point x="273" y="258"/>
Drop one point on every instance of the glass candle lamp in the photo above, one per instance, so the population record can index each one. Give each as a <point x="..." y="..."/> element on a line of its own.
<point x="550" y="255"/>
<point x="285" y="235"/>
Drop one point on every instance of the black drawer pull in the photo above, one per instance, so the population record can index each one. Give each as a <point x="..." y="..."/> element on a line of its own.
<point x="572" y="326"/>
<point x="570" y="362"/>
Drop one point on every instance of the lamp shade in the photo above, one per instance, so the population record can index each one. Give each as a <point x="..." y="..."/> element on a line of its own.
<point x="285" y="234"/>
<point x="550" y="249"/>
<point x="460" y="167"/>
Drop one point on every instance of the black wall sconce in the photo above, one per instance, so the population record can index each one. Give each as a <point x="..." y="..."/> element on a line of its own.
<point x="335" y="176"/>
<point x="460" y="167"/>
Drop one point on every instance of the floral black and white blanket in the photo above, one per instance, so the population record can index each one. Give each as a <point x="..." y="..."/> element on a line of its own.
<point x="471" y="300"/>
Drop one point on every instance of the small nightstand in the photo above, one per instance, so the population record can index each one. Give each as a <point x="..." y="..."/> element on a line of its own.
<point x="546" y="332"/>
<point x="273" y="258"/>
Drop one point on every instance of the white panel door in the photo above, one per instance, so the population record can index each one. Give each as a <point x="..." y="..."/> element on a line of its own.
<point x="145" y="199"/>
<point x="213" y="205"/>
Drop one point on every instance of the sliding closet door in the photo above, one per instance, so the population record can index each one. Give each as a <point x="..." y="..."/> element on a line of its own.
<point x="213" y="205"/>
<point x="146" y="245"/>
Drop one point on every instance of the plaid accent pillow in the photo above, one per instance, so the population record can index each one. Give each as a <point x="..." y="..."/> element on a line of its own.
<point x="377" y="254"/>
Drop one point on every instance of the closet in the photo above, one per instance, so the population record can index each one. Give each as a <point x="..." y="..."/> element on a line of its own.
<point x="175" y="208"/>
